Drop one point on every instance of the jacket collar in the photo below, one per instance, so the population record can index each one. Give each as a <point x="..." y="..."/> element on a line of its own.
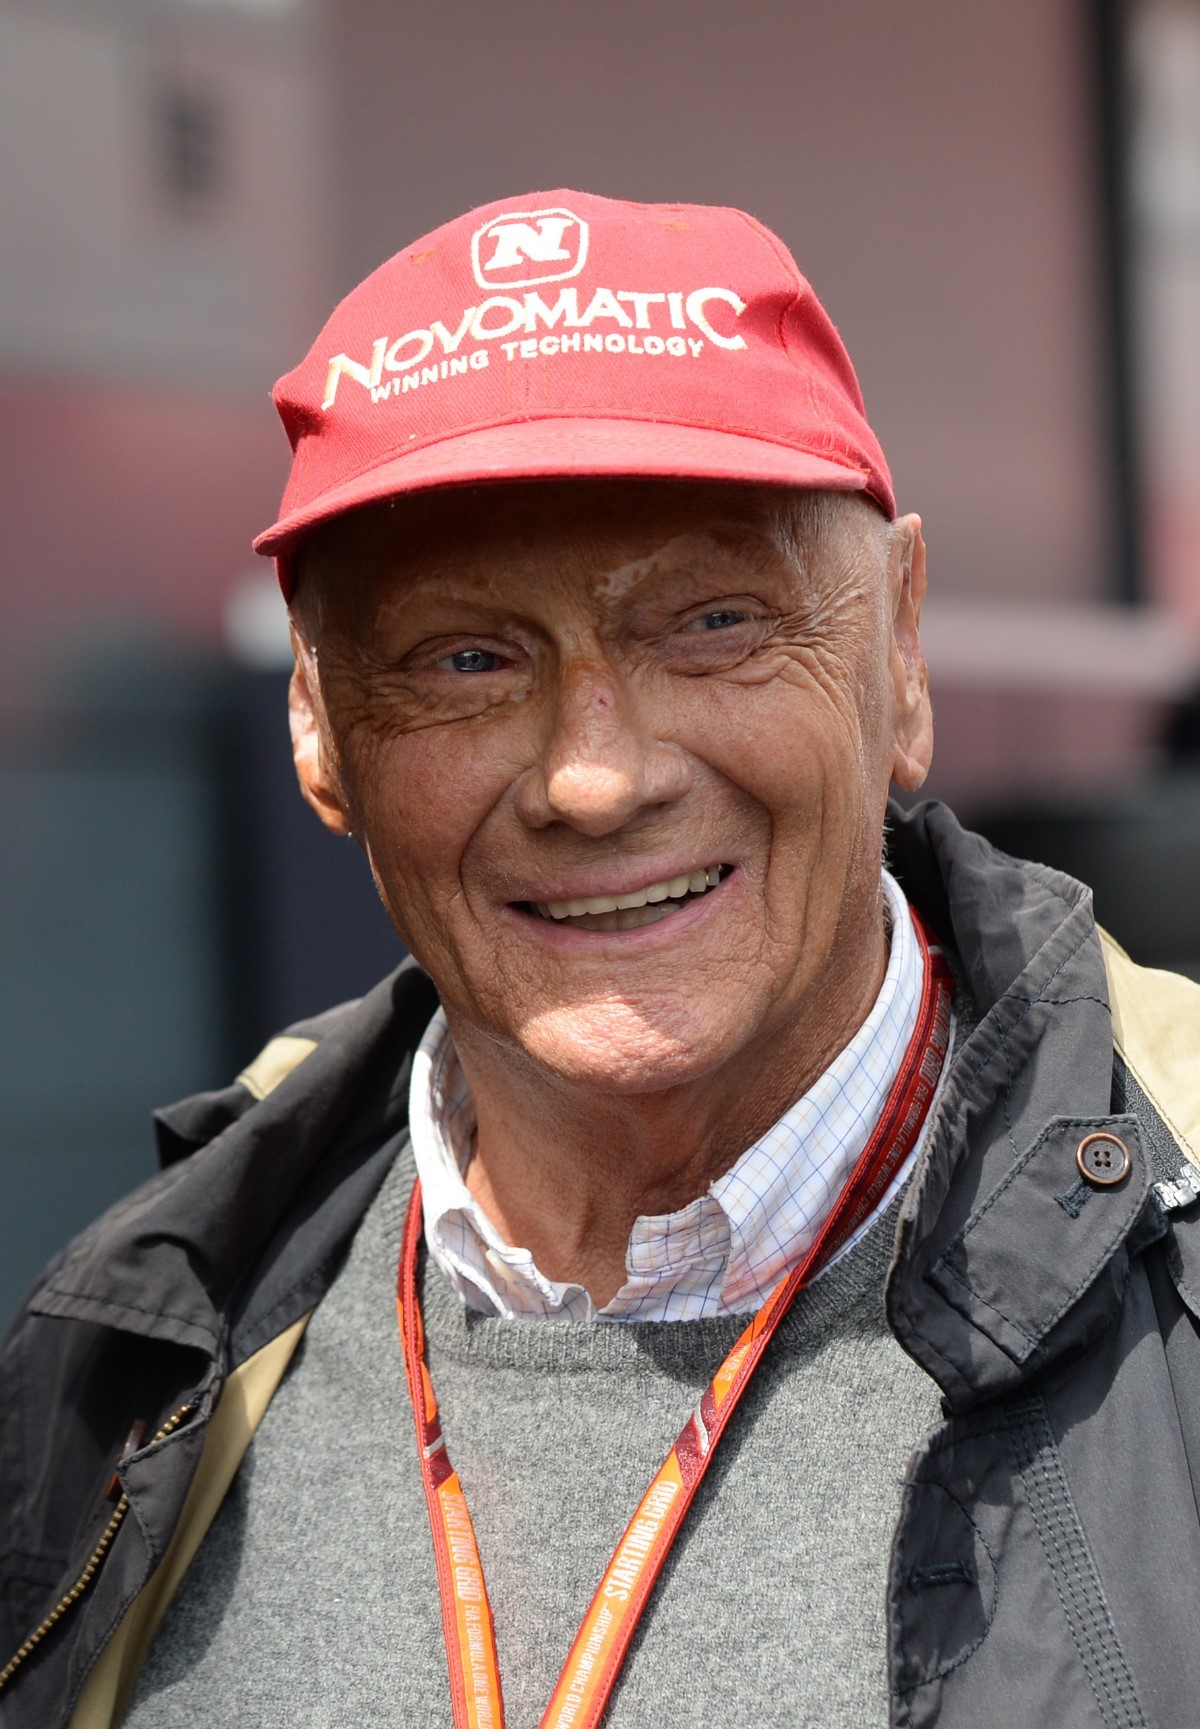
<point x="1005" y="1257"/>
<point x="275" y="1195"/>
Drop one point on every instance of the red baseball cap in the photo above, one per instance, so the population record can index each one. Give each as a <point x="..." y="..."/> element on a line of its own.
<point x="564" y="334"/>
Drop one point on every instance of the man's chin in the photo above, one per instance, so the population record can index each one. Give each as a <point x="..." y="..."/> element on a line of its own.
<point x="624" y="1049"/>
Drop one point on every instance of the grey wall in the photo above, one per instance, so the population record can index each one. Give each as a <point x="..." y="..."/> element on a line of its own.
<point x="112" y="946"/>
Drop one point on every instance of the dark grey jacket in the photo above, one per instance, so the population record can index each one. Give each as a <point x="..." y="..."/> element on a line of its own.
<point x="1046" y="1564"/>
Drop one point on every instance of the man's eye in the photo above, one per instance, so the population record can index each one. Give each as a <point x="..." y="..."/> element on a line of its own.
<point x="471" y="660"/>
<point x="721" y="618"/>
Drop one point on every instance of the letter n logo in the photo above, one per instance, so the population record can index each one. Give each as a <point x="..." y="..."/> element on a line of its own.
<point x="529" y="246"/>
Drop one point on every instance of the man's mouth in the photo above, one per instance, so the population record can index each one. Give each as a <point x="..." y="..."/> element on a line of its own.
<point x="628" y="912"/>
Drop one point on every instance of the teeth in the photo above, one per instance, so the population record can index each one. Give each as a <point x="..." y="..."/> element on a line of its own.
<point x="627" y="919"/>
<point x="610" y="912"/>
<point x="636" y="899"/>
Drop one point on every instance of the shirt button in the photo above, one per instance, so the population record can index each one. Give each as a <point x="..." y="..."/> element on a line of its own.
<point x="1103" y="1159"/>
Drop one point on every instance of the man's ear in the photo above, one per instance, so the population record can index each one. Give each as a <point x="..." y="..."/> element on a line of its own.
<point x="316" y="769"/>
<point x="912" y="742"/>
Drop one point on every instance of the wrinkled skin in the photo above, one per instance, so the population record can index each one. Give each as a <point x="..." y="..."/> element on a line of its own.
<point x="527" y="693"/>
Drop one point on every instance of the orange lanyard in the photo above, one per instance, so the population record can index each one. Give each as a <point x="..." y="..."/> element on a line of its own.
<point x="600" y="1646"/>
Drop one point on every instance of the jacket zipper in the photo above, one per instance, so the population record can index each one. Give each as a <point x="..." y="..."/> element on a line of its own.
<point x="89" y="1572"/>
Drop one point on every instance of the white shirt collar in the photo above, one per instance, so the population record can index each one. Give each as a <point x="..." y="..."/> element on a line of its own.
<point x="725" y="1251"/>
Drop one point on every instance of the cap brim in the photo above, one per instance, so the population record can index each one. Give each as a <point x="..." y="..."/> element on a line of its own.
<point x="570" y="449"/>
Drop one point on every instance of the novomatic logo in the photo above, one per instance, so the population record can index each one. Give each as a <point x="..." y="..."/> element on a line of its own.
<point x="529" y="246"/>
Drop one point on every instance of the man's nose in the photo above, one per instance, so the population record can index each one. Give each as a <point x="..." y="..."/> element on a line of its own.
<point x="600" y="765"/>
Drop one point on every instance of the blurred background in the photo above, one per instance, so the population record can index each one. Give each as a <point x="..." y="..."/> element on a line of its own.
<point x="998" y="202"/>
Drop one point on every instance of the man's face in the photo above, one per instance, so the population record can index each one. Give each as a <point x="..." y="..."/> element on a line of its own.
<point x="618" y="754"/>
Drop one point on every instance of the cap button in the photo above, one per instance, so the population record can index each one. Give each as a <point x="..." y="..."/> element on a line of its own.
<point x="1103" y="1159"/>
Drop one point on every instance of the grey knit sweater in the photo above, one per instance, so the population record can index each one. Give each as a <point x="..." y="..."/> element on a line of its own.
<point x="313" y="1600"/>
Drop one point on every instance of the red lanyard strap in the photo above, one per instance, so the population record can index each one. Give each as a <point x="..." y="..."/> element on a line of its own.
<point x="600" y="1646"/>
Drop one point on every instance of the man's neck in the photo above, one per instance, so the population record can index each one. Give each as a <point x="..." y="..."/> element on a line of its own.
<point x="566" y="1171"/>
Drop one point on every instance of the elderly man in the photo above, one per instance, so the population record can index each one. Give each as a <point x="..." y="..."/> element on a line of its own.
<point x="718" y="1277"/>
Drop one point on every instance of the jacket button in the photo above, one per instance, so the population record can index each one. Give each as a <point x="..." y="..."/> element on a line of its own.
<point x="1103" y="1159"/>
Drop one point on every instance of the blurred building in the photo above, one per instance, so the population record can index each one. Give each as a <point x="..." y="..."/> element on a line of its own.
<point x="163" y="251"/>
<point x="999" y="203"/>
